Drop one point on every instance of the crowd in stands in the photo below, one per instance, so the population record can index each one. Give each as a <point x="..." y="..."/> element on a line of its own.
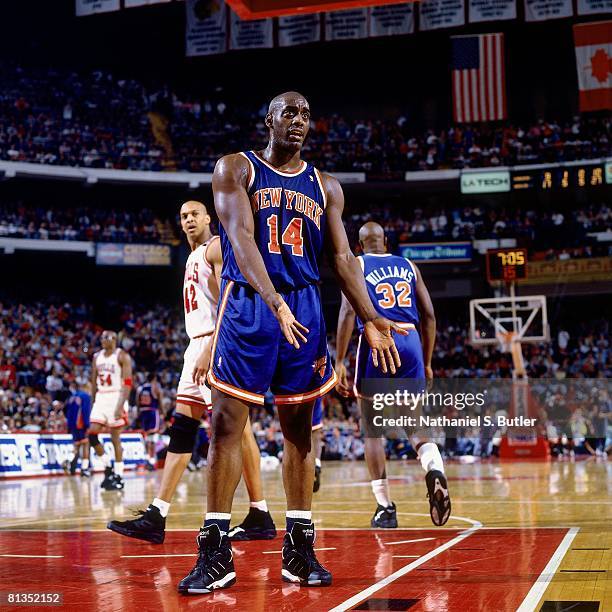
<point x="99" y="120"/>
<point x="550" y="233"/>
<point x="46" y="349"/>
<point x="21" y="220"/>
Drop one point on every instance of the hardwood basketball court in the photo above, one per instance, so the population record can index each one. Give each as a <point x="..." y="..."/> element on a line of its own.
<point x="521" y="534"/>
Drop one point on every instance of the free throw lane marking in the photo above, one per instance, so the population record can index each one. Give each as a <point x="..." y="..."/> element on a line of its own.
<point x="278" y="552"/>
<point x="34" y="556"/>
<point x="359" y="597"/>
<point x="409" y="541"/>
<point x="539" y="586"/>
<point x="158" y="556"/>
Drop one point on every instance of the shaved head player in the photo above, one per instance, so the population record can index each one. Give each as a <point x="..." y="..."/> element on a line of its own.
<point x="278" y="214"/>
<point x="398" y="290"/>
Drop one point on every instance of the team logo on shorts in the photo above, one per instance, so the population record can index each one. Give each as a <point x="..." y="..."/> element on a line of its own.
<point x="319" y="366"/>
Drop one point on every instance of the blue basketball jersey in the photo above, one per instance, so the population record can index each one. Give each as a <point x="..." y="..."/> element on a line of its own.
<point x="391" y="283"/>
<point x="289" y="214"/>
<point x="145" y="400"/>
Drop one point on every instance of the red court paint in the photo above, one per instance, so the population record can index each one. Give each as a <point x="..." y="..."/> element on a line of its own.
<point x="490" y="569"/>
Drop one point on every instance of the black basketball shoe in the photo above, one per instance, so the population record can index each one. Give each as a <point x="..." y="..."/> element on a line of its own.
<point x="214" y="568"/>
<point x="317" y="479"/>
<point x="439" y="499"/>
<point x="149" y="526"/>
<point x="300" y="563"/>
<point x="385" y="518"/>
<point x="257" y="525"/>
<point x="112" y="481"/>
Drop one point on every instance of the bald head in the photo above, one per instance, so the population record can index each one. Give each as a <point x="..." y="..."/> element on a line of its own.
<point x="289" y="98"/>
<point x="195" y="222"/>
<point x="372" y="238"/>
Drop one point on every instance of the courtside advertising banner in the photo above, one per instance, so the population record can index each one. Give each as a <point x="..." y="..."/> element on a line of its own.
<point x="437" y="252"/>
<point x="24" y="454"/>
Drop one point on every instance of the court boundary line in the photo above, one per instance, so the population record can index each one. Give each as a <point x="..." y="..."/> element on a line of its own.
<point x="365" y="593"/>
<point x="537" y="590"/>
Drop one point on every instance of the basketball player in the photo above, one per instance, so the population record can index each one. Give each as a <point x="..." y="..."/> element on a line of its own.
<point x="397" y="290"/>
<point x="276" y="213"/>
<point x="148" y="397"/>
<point x="199" y="296"/>
<point x="78" y="409"/>
<point x="111" y="381"/>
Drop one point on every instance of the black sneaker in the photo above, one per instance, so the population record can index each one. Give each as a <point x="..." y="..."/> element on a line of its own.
<point x="439" y="499"/>
<point x="385" y="518"/>
<point x="73" y="465"/>
<point x="214" y="568"/>
<point x="149" y="526"/>
<point x="317" y="479"/>
<point x="85" y="473"/>
<point x="108" y="476"/>
<point x="300" y="563"/>
<point x="112" y="481"/>
<point x="257" y="525"/>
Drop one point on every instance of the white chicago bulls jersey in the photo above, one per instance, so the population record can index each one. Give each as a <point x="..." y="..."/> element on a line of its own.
<point x="198" y="300"/>
<point x="109" y="372"/>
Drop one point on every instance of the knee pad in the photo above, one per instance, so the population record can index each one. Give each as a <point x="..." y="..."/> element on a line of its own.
<point x="93" y="440"/>
<point x="183" y="434"/>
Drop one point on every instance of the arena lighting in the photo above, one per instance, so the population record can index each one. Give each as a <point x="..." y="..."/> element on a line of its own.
<point x="256" y="9"/>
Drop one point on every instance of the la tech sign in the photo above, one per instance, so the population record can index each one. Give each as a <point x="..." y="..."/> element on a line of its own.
<point x="485" y="182"/>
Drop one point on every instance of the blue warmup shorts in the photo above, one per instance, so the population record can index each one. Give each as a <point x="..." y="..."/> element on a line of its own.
<point x="250" y="354"/>
<point x="78" y="435"/>
<point x="411" y="355"/>
<point x="317" y="414"/>
<point x="149" y="421"/>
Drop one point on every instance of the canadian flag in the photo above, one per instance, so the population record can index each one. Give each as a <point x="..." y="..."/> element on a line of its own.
<point x="594" y="64"/>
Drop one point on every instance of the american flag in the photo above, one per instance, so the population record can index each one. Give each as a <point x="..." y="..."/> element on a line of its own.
<point x="479" y="80"/>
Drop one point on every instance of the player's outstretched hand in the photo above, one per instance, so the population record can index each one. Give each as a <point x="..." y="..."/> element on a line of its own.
<point x="292" y="329"/>
<point x="379" y="337"/>
<point x="343" y="386"/>
<point x="202" y="364"/>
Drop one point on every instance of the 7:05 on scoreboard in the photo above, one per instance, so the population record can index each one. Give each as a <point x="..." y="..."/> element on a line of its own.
<point x="506" y="265"/>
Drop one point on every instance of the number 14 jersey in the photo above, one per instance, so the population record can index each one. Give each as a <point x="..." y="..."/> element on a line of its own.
<point x="289" y="217"/>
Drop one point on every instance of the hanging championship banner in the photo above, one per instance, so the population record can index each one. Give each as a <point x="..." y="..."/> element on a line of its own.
<point x="132" y="3"/>
<point x="299" y="30"/>
<point x="593" y="7"/>
<point x="91" y="7"/>
<point x="392" y="20"/>
<point x="436" y="14"/>
<point x="206" y="27"/>
<point x="250" y="34"/>
<point x="491" y="10"/>
<point x="346" y="25"/>
<point x="542" y="10"/>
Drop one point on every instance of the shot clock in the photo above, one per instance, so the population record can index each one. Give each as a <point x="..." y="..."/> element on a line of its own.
<point x="507" y="265"/>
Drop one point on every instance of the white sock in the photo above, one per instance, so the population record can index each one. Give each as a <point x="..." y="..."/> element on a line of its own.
<point x="300" y="514"/>
<point x="260" y="505"/>
<point x="152" y="460"/>
<point x="118" y="468"/>
<point x="84" y="464"/>
<point x="317" y="462"/>
<point x="164" y="507"/>
<point x="430" y="457"/>
<point x="380" y="488"/>
<point x="106" y="460"/>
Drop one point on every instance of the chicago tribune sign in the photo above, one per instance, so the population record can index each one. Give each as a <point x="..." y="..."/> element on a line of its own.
<point x="485" y="182"/>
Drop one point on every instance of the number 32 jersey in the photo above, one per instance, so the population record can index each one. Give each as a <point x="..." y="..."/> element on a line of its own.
<point x="289" y="216"/>
<point x="391" y="281"/>
<point x="198" y="299"/>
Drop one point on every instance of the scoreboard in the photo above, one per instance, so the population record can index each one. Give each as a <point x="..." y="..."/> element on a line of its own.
<point x="559" y="178"/>
<point x="507" y="265"/>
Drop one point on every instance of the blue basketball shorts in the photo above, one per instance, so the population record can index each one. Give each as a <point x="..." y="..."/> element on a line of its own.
<point x="78" y="435"/>
<point x="411" y="355"/>
<point x="149" y="421"/>
<point x="317" y="414"/>
<point x="251" y="355"/>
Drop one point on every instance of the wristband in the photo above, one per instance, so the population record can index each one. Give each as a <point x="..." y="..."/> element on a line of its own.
<point x="127" y="382"/>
